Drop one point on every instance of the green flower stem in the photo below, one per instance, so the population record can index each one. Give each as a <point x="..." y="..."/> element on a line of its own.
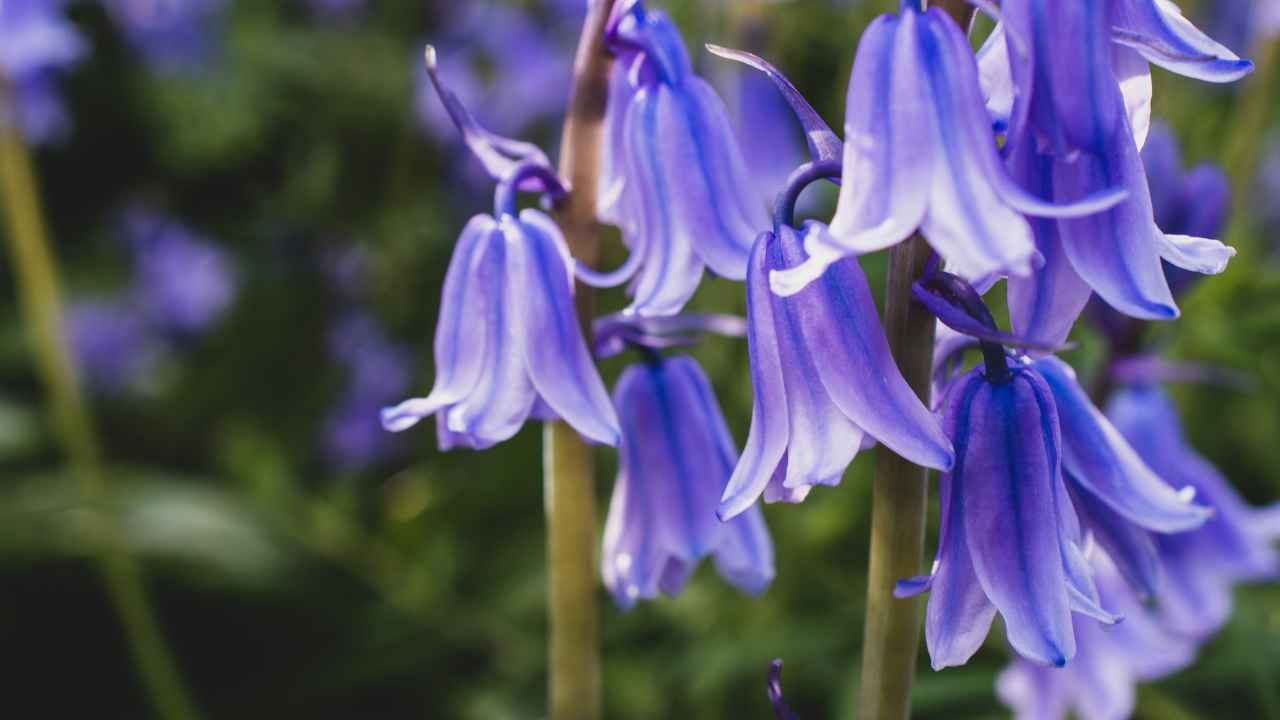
<point x="569" y="480"/>
<point x="41" y="305"/>
<point x="900" y="500"/>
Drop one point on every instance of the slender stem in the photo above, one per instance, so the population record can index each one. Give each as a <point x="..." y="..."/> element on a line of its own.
<point x="37" y="281"/>
<point x="570" y="495"/>
<point x="900" y="499"/>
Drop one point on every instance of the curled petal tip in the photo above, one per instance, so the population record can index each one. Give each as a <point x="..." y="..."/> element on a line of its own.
<point x="429" y="56"/>
<point x="401" y="417"/>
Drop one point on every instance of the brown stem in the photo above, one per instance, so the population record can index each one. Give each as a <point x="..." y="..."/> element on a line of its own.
<point x="570" y="496"/>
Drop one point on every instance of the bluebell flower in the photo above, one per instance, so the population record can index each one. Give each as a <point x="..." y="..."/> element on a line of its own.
<point x="1100" y="682"/>
<point x="1236" y="545"/>
<point x="36" y="44"/>
<point x="507" y="337"/>
<point x="508" y="346"/>
<point x="675" y="457"/>
<point x="113" y="346"/>
<point x="1029" y="447"/>
<point x="170" y="36"/>
<point x="673" y="177"/>
<point x="1075" y="121"/>
<point x="1010" y="540"/>
<point x="825" y="381"/>
<point x="920" y="154"/>
<point x="182" y="281"/>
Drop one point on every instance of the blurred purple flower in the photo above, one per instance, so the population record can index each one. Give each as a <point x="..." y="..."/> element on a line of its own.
<point x="183" y="282"/>
<point x="36" y="44"/>
<point x="378" y="372"/>
<point x="112" y="344"/>
<point x="765" y="120"/>
<point x="171" y="35"/>
<point x="674" y="459"/>
<point x="673" y="176"/>
<point x="824" y="382"/>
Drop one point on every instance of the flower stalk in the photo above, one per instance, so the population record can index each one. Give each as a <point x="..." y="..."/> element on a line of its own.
<point x="39" y="297"/>
<point x="900" y="495"/>
<point x="570" y="495"/>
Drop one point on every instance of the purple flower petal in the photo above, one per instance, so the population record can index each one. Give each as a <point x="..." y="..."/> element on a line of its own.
<point x="461" y="351"/>
<point x="1158" y="30"/>
<point x="540" y="289"/>
<point x="675" y="456"/>
<point x="1103" y="463"/>
<point x="1007" y="460"/>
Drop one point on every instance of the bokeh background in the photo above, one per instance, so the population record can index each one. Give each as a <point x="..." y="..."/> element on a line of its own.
<point x="253" y="204"/>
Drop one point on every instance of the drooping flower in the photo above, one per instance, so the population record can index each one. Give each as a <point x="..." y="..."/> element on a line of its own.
<point x="182" y="281"/>
<point x="920" y="153"/>
<point x="1030" y="447"/>
<point x="507" y="337"/>
<point x="675" y="457"/>
<point x="508" y="346"/>
<point x="1075" y="87"/>
<point x="673" y="177"/>
<point x="170" y="36"/>
<point x="36" y="44"/>
<point x="1236" y="545"/>
<point x="1009" y="538"/>
<point x="825" y="381"/>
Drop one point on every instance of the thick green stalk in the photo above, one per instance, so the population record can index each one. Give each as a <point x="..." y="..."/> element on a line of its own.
<point x="900" y="494"/>
<point x="570" y="495"/>
<point x="40" y="300"/>
<point x="900" y="500"/>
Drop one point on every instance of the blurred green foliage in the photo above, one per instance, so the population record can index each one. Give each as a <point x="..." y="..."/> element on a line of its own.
<point x="415" y="588"/>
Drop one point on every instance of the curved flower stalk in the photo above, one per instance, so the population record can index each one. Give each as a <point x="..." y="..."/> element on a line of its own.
<point x="1100" y="683"/>
<point x="673" y="177"/>
<point x="36" y="43"/>
<point x="507" y="343"/>
<point x="824" y="379"/>
<point x="675" y="457"/>
<point x="920" y="154"/>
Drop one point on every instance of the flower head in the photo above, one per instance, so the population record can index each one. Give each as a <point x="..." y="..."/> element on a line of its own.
<point x="920" y="154"/>
<point x="183" y="282"/>
<point x="508" y="346"/>
<point x="675" y="458"/>
<point x="36" y="43"/>
<point x="825" y="381"/>
<point x="673" y="177"/>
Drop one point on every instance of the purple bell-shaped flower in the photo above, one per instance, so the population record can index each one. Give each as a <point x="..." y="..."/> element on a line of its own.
<point x="675" y="458"/>
<point x="920" y="153"/>
<point x="508" y="345"/>
<point x="673" y="177"/>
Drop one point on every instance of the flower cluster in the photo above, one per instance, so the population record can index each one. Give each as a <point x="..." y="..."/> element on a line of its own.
<point x="1020" y="163"/>
<point x="36" y="44"/>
